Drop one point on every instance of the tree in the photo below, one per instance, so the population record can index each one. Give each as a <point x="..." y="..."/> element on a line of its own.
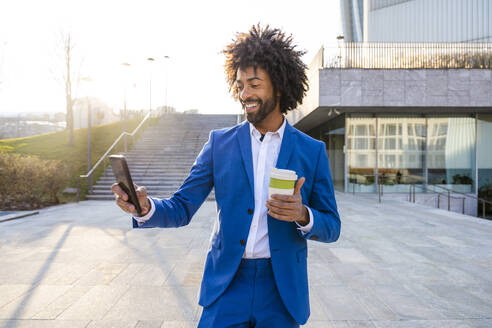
<point x="68" y="76"/>
<point x="68" y="47"/>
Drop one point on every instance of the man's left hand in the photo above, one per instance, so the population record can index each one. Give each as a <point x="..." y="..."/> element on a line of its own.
<point x="289" y="208"/>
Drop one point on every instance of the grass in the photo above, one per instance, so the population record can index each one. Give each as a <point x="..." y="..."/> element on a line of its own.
<point x="55" y="145"/>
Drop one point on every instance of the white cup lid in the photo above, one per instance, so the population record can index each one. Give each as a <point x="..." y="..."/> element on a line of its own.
<point x="282" y="174"/>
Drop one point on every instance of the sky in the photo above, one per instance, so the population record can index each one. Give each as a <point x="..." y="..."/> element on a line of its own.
<point x="109" y="33"/>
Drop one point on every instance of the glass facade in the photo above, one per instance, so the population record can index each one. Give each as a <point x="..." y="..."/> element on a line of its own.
<point x="436" y="151"/>
<point x="484" y="162"/>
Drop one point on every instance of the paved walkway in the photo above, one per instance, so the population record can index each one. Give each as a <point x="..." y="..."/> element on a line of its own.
<point x="396" y="265"/>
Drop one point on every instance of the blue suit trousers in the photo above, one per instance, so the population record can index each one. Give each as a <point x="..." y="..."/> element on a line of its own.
<point x="251" y="300"/>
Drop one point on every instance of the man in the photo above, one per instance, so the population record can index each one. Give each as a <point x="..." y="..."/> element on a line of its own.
<point x="255" y="272"/>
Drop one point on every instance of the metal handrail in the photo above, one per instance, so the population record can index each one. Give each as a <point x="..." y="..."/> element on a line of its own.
<point x="103" y="157"/>
<point x="448" y="194"/>
<point x="478" y="199"/>
<point x="455" y="192"/>
<point x="434" y="186"/>
<point x="413" y="185"/>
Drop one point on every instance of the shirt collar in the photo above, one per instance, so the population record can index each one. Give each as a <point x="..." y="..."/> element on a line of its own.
<point x="280" y="132"/>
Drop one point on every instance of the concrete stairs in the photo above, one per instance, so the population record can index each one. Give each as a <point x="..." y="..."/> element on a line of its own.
<point x="162" y="158"/>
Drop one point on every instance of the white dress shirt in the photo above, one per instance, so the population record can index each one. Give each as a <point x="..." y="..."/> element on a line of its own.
<point x="265" y="155"/>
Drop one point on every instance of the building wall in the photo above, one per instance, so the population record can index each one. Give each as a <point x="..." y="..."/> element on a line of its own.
<point x="405" y="88"/>
<point x="311" y="99"/>
<point x="417" y="20"/>
<point x="429" y="21"/>
<point x="352" y="12"/>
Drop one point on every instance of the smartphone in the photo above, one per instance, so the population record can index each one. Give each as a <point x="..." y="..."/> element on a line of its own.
<point x="124" y="180"/>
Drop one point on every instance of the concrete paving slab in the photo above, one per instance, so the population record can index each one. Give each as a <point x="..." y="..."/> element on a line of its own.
<point x="319" y="324"/>
<point x="60" y="304"/>
<point x="103" y="274"/>
<point x="94" y="304"/>
<point x="423" y="324"/>
<point x="8" y="216"/>
<point x="149" y="324"/>
<point x="396" y="264"/>
<point x="29" y="304"/>
<point x="179" y="324"/>
<point x="10" y="292"/>
<point x="156" y="303"/>
<point x="112" y="324"/>
<point x="372" y="303"/>
<point x="463" y="302"/>
<point x="319" y="274"/>
<point x="355" y="324"/>
<point x="186" y="273"/>
<point x="341" y="304"/>
<point x="43" y="323"/>
<point x="349" y="255"/>
<point x="480" y="323"/>
<point x="405" y="304"/>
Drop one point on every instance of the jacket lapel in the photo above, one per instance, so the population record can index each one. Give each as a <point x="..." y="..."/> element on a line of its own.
<point x="288" y="145"/>
<point x="244" y="140"/>
<point x="277" y="228"/>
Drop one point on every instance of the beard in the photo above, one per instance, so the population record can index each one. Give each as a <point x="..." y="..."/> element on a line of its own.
<point x="264" y="109"/>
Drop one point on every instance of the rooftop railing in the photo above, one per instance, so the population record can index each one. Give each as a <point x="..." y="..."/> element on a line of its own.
<point x="386" y="55"/>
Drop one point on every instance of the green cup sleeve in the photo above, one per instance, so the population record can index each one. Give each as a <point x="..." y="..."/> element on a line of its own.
<point x="281" y="184"/>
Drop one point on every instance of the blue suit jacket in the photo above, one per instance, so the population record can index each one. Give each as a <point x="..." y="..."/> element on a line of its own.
<point x="226" y="163"/>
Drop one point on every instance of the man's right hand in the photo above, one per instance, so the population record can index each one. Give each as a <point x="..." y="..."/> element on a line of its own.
<point x="122" y="200"/>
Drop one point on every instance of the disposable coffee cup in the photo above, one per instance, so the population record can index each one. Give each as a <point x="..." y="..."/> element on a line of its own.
<point x="282" y="182"/>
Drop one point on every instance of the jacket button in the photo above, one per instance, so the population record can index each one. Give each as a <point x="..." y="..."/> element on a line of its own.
<point x="242" y="242"/>
<point x="250" y="211"/>
<point x="314" y="237"/>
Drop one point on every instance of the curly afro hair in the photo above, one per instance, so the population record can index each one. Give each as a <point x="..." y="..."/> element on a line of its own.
<point x="273" y="51"/>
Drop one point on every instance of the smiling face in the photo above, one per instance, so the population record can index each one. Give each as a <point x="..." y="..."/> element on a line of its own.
<point x="256" y="94"/>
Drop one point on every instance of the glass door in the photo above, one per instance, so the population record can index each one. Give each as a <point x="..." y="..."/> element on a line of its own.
<point x="361" y="154"/>
<point x="401" y="152"/>
<point x="451" y="153"/>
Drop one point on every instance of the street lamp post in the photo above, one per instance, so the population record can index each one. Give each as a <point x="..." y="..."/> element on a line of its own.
<point x="150" y="59"/>
<point x="89" y="121"/>
<point x="165" y="88"/>
<point x="340" y="39"/>
<point x="124" y="110"/>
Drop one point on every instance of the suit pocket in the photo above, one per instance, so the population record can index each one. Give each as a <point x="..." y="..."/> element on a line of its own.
<point x="301" y="255"/>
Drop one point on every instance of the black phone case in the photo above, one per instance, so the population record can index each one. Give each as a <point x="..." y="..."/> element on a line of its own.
<point x="124" y="180"/>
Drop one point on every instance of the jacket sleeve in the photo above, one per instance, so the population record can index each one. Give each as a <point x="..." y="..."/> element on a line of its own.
<point x="322" y="203"/>
<point x="178" y="210"/>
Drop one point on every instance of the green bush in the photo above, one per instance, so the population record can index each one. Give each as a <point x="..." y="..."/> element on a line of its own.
<point x="43" y="165"/>
<point x="28" y="182"/>
<point x="54" y="146"/>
